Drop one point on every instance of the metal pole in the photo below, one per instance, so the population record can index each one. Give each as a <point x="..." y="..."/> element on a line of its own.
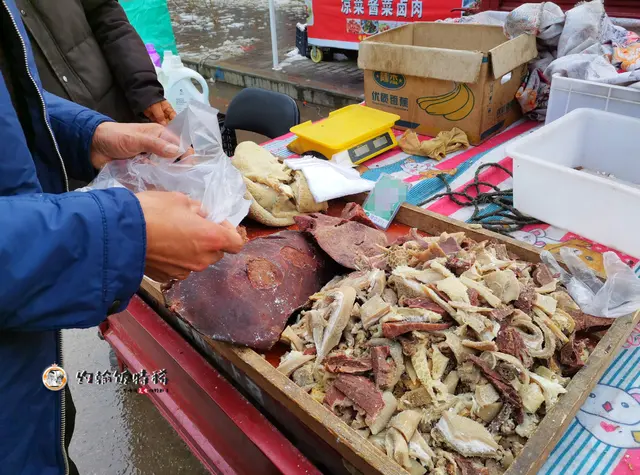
<point x="274" y="36"/>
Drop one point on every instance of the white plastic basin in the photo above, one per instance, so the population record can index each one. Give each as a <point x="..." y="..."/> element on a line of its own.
<point x="548" y="187"/>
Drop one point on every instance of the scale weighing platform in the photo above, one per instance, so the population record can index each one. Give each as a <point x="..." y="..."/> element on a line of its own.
<point x="358" y="131"/>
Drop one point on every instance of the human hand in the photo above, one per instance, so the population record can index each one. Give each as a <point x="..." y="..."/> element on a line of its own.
<point x="114" y="141"/>
<point x="179" y="238"/>
<point x="160" y="112"/>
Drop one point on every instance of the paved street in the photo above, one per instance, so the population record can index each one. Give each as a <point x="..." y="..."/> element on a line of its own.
<point x="234" y="35"/>
<point x="118" y="432"/>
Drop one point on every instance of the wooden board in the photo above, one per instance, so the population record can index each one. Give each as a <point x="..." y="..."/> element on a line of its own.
<point x="358" y="451"/>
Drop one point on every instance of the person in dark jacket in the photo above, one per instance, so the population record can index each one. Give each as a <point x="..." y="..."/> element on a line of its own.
<point x="67" y="260"/>
<point x="86" y="51"/>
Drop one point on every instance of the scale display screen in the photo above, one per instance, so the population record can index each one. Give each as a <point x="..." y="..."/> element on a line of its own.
<point x="381" y="142"/>
<point x="365" y="150"/>
<point x="362" y="151"/>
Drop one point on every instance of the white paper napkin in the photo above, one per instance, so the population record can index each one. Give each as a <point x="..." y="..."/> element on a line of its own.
<point x="327" y="180"/>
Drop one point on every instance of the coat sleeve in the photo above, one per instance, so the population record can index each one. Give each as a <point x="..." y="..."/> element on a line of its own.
<point x="70" y="259"/>
<point x="125" y="53"/>
<point x="73" y="126"/>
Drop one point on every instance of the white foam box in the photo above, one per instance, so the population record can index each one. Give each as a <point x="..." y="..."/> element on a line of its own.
<point x="549" y="185"/>
<point x="568" y="94"/>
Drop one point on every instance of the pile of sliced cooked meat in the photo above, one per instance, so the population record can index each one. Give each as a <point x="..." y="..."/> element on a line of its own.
<point x="443" y="352"/>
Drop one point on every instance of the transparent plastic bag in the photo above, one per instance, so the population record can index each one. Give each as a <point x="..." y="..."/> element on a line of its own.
<point x="207" y="176"/>
<point x="618" y="296"/>
<point x="197" y="126"/>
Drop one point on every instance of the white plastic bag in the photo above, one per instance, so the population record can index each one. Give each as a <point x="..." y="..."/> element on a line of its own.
<point x="618" y="296"/>
<point x="208" y="176"/>
<point x="544" y="20"/>
<point x="197" y="126"/>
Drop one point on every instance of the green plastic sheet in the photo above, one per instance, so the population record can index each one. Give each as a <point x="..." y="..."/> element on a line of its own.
<point x="152" y="21"/>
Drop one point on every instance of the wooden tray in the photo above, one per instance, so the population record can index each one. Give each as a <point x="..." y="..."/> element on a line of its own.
<point x="359" y="452"/>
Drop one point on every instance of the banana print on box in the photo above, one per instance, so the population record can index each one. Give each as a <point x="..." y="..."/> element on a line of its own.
<point x="454" y="105"/>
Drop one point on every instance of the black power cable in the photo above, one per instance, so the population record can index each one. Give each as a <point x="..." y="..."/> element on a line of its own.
<point x="506" y="219"/>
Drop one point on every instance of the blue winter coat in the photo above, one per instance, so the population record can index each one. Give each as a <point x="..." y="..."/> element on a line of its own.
<point x="66" y="259"/>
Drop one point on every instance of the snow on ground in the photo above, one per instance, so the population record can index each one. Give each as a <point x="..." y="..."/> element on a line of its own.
<point x="290" y="58"/>
<point x="227" y="49"/>
<point x="220" y="29"/>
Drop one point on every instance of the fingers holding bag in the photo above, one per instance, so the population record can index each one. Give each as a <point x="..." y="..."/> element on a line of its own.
<point x="179" y="239"/>
<point x="191" y="206"/>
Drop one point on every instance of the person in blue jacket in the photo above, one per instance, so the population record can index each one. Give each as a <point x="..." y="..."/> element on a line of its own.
<point x="67" y="260"/>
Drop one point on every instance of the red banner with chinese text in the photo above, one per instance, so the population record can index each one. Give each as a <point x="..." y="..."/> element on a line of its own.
<point x="350" y="21"/>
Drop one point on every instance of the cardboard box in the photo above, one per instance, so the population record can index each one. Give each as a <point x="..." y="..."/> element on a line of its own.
<point x="438" y="76"/>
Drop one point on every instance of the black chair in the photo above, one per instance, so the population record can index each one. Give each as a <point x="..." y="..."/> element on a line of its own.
<point x="263" y="112"/>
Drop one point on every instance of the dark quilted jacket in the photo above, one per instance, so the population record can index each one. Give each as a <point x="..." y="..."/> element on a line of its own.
<point x="88" y="52"/>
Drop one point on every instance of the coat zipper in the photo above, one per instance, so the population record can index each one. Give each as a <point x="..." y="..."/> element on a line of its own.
<point x="42" y="103"/>
<point x="63" y="410"/>
<point x="66" y="185"/>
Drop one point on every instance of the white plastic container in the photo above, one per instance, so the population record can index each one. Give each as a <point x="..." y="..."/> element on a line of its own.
<point x="548" y="187"/>
<point x="569" y="94"/>
<point x="176" y="81"/>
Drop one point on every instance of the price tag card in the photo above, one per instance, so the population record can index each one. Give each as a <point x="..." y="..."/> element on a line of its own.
<point x="385" y="200"/>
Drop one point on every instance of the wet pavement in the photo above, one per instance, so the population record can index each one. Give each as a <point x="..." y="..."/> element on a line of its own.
<point x="221" y="94"/>
<point x="220" y="29"/>
<point x="118" y="432"/>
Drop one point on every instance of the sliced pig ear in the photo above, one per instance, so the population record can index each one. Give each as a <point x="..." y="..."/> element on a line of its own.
<point x="634" y="393"/>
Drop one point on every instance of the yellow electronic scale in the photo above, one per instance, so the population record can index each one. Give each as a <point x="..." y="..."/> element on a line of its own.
<point x="359" y="131"/>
